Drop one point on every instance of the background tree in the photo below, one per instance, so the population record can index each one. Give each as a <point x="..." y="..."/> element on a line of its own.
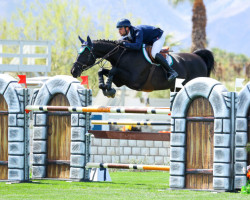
<point x="199" y="21"/>
<point x="60" y="21"/>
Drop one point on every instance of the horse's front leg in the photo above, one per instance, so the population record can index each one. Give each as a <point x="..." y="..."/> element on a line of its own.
<point x="111" y="91"/>
<point x="102" y="85"/>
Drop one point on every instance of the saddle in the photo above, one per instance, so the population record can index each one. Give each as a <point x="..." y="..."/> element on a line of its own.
<point x="147" y="50"/>
<point x="164" y="51"/>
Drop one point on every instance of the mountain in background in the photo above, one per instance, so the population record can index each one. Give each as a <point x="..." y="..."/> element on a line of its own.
<point x="228" y="25"/>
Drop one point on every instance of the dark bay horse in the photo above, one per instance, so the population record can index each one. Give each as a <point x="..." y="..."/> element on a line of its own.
<point x="130" y="67"/>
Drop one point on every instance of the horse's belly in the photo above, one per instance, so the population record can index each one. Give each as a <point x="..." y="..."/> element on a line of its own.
<point x="159" y="80"/>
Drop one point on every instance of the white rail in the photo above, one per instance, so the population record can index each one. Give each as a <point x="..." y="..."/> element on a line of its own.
<point x="25" y="50"/>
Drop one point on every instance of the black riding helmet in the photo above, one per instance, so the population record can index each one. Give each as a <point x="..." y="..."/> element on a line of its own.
<point x="123" y="23"/>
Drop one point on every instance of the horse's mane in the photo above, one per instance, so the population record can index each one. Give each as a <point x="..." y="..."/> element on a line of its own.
<point x="106" y="41"/>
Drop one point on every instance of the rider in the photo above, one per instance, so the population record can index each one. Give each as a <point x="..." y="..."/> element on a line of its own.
<point x="145" y="34"/>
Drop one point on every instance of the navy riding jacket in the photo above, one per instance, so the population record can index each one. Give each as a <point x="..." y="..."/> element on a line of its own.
<point x="143" y="34"/>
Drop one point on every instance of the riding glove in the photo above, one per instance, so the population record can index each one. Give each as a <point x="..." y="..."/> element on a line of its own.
<point x="121" y="42"/>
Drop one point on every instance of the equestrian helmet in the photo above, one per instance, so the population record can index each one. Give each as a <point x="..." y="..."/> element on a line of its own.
<point x="123" y="23"/>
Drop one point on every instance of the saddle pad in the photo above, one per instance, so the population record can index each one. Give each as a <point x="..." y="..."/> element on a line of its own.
<point x="168" y="57"/>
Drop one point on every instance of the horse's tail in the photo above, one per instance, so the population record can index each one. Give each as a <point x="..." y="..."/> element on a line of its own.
<point x="208" y="58"/>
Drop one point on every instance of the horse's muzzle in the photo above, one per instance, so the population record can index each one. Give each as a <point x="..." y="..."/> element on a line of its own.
<point x="76" y="70"/>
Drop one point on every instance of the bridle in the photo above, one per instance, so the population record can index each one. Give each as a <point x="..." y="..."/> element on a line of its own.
<point x="110" y="53"/>
<point x="89" y="56"/>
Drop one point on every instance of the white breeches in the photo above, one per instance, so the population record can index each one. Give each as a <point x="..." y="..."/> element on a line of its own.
<point x="158" y="44"/>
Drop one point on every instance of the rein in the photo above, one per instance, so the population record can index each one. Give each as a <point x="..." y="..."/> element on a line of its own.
<point x="112" y="52"/>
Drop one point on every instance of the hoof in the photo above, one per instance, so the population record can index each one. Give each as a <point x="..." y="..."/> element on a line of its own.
<point x="111" y="93"/>
<point x="113" y="96"/>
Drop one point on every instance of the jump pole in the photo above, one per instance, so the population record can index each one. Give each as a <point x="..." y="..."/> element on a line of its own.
<point x="143" y="110"/>
<point x="142" y="123"/>
<point x="127" y="166"/>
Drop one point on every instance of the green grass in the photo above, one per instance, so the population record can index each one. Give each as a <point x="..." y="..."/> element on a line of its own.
<point x="124" y="185"/>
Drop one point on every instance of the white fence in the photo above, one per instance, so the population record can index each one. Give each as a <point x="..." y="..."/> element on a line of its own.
<point x="24" y="56"/>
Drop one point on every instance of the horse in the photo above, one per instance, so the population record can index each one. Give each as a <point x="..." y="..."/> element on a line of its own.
<point x="130" y="68"/>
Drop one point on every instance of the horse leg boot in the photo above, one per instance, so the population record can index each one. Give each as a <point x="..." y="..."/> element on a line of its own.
<point x="111" y="91"/>
<point x="102" y="85"/>
<point x="163" y="62"/>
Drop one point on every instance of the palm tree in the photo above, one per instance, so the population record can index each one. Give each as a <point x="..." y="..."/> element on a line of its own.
<point x="199" y="20"/>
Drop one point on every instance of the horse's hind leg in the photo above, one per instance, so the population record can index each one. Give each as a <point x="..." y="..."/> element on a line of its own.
<point x="102" y="85"/>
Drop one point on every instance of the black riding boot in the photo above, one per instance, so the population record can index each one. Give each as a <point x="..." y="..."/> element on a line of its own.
<point x="162" y="61"/>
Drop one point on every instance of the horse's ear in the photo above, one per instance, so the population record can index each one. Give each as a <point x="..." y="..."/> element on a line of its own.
<point x="90" y="44"/>
<point x="82" y="40"/>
